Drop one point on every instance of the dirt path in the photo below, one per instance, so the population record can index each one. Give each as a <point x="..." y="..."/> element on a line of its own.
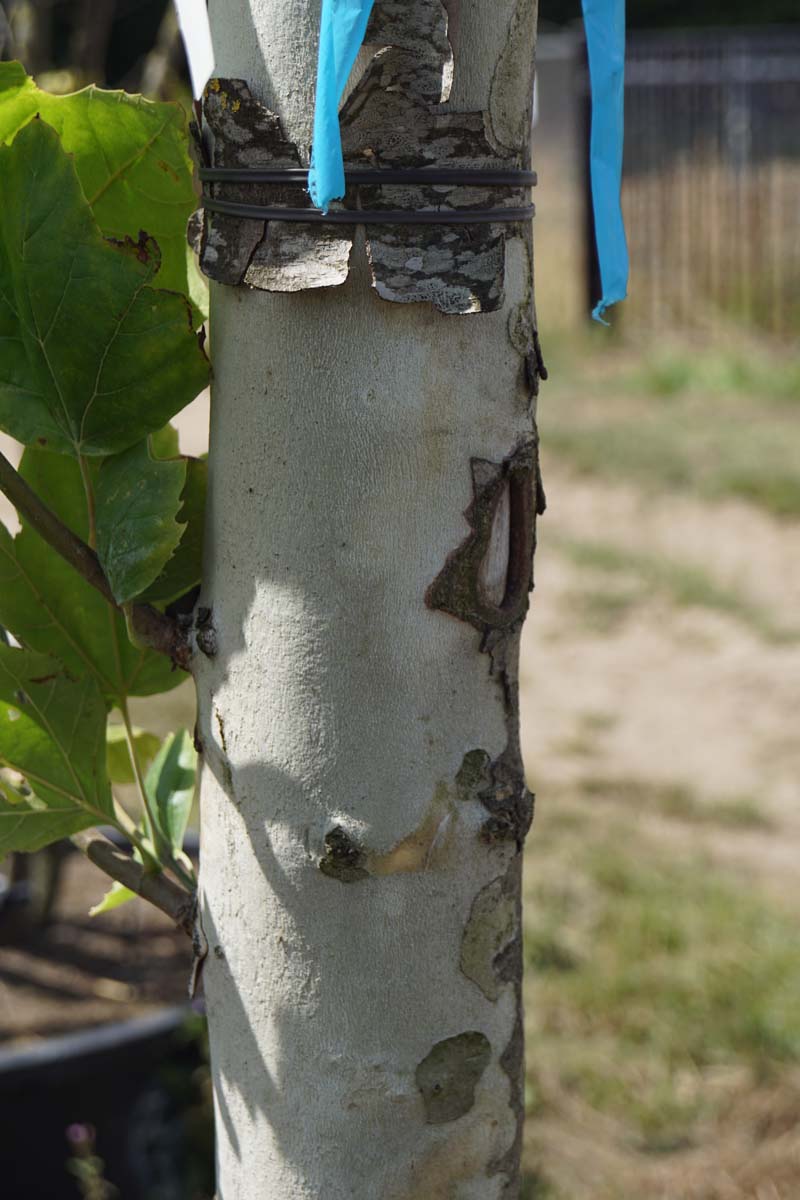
<point x="673" y="695"/>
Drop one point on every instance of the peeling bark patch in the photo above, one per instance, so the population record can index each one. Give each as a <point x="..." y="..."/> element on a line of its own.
<point x="507" y="497"/>
<point x="511" y="97"/>
<point x="512" y="1061"/>
<point x="492" y="927"/>
<point x="507" y="799"/>
<point x="460" y="589"/>
<point x="392" y="118"/>
<point x="508" y="966"/>
<point x="474" y="775"/>
<point x="272" y="256"/>
<point x="448" y="1076"/>
<point x="344" y="859"/>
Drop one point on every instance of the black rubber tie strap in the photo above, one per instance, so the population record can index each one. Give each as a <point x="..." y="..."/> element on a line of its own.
<point x="376" y="176"/>
<point x="373" y="177"/>
<point x="366" y="216"/>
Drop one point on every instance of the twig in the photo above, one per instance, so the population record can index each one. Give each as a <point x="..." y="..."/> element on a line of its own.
<point x="158" y="889"/>
<point x="151" y="627"/>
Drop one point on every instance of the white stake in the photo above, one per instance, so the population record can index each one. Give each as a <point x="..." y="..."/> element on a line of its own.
<point x="196" y="34"/>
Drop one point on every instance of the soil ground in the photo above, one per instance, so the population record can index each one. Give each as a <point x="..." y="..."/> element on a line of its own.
<point x="82" y="971"/>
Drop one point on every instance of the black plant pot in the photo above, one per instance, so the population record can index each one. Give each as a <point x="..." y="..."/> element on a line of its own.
<point x="128" y="1081"/>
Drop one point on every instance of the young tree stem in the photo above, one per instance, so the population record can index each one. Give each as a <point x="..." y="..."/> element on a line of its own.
<point x="158" y="889"/>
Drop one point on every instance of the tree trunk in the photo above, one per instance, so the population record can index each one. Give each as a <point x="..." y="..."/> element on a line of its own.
<point x="368" y="559"/>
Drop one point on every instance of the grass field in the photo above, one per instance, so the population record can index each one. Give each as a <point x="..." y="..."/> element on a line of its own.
<point x="661" y="687"/>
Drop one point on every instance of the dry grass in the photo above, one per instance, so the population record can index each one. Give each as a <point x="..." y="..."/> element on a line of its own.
<point x="660" y="700"/>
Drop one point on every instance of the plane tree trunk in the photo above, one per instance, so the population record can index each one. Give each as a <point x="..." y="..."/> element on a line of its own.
<point x="374" y="487"/>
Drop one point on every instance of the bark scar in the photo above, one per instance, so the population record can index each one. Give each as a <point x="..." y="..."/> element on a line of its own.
<point x="459" y="589"/>
<point x="344" y="859"/>
<point x="490" y="934"/>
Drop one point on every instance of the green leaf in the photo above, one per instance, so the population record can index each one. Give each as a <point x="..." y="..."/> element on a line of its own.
<point x="164" y="443"/>
<point x="52" y="731"/>
<point x="48" y="607"/>
<point x="94" y="358"/>
<point x="183" y="571"/>
<point x="131" y="159"/>
<point x="170" y="785"/>
<point x="137" y="497"/>
<point x="118" y="759"/>
<point x="116" y="895"/>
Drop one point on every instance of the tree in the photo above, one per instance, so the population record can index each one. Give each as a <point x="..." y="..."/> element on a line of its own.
<point x="373" y="491"/>
<point x="372" y="481"/>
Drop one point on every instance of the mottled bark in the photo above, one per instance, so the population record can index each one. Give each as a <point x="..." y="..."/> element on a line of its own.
<point x="395" y="116"/>
<point x="374" y="488"/>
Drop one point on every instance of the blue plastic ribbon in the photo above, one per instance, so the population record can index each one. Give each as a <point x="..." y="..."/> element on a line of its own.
<point x="344" y="23"/>
<point x="604" y="22"/>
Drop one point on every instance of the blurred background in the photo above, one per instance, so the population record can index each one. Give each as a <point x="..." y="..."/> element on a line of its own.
<point x="660" y="672"/>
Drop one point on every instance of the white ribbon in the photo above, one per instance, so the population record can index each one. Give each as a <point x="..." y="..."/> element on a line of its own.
<point x="196" y="33"/>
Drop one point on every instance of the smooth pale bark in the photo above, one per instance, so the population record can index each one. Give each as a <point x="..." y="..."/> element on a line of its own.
<point x="363" y="922"/>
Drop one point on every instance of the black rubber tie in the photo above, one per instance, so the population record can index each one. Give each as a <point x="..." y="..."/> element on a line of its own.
<point x="377" y="176"/>
<point x="373" y="177"/>
<point x="367" y="216"/>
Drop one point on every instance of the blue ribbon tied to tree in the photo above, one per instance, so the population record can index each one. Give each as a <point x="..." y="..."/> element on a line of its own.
<point x="344" y="23"/>
<point x="604" y="22"/>
<point x="342" y="29"/>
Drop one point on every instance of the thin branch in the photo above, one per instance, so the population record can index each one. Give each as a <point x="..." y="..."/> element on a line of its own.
<point x="158" y="889"/>
<point x="151" y="627"/>
<point x="136" y="839"/>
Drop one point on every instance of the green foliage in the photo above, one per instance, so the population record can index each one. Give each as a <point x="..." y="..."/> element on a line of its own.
<point x="94" y="356"/>
<point x="115" y="897"/>
<point x="137" y="497"/>
<point x="182" y="571"/>
<point x="97" y="356"/>
<point x="118" y="757"/>
<point x="52" y="731"/>
<point x="170" y="786"/>
<point x="48" y="607"/>
<point x="131" y="158"/>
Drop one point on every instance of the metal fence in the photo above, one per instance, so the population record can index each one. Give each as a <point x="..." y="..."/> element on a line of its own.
<point x="711" y="187"/>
